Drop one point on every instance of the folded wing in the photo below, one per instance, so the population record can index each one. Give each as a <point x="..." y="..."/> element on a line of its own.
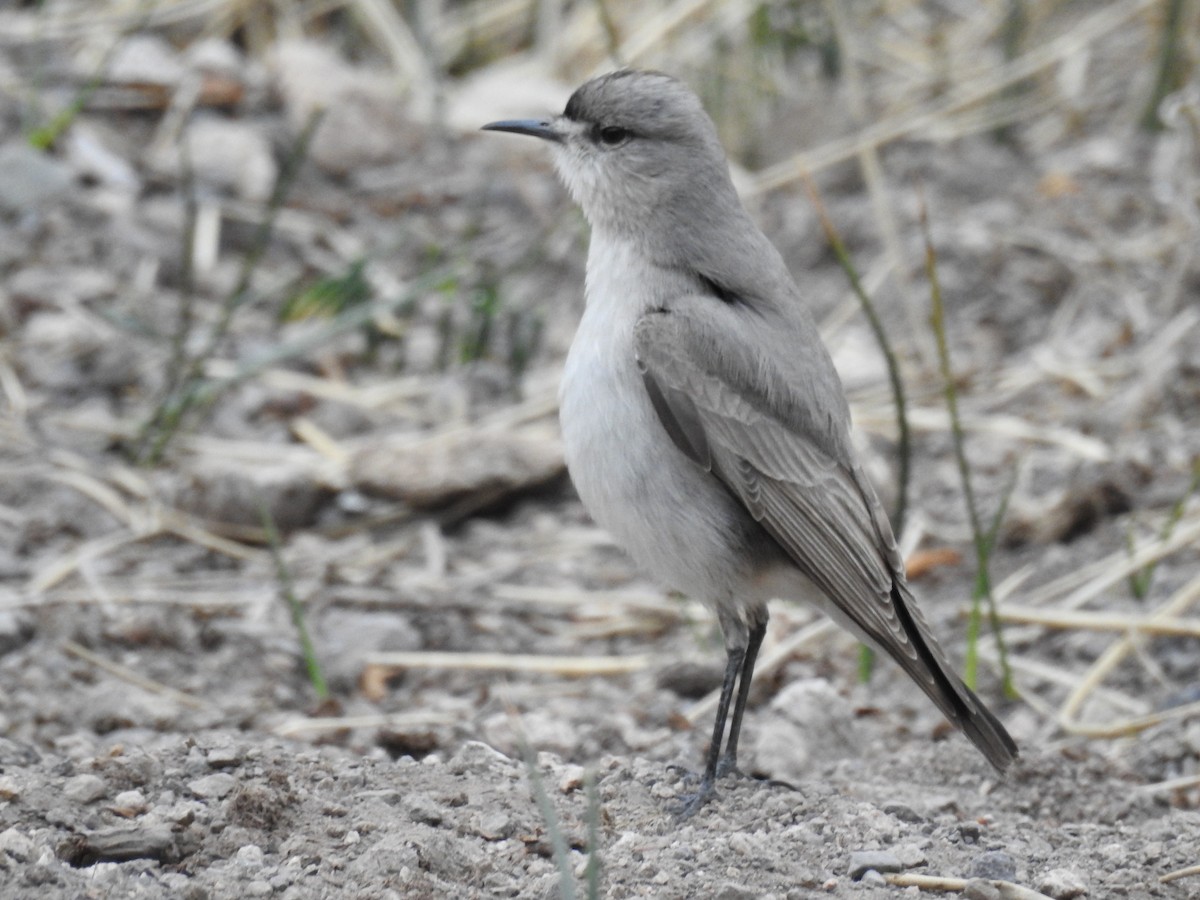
<point x="733" y="398"/>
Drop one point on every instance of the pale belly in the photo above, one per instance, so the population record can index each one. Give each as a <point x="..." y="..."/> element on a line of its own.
<point x="673" y="517"/>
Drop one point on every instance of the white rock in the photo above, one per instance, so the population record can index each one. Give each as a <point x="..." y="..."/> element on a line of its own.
<point x="213" y="787"/>
<point x="363" y="121"/>
<point x="1062" y="884"/>
<point x="85" y="788"/>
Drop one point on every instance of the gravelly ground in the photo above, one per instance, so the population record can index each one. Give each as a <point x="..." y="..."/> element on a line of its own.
<point x="158" y="737"/>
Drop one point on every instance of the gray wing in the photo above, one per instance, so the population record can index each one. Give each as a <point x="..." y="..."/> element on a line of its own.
<point x="754" y="398"/>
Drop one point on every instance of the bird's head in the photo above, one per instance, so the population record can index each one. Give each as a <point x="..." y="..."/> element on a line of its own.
<point x="636" y="149"/>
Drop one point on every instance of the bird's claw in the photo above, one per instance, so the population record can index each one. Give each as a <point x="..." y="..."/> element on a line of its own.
<point x="691" y="803"/>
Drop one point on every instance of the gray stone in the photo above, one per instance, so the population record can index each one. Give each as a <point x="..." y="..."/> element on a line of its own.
<point x="213" y="787"/>
<point x="16" y="845"/>
<point x="873" y="878"/>
<point x="145" y="59"/>
<point x="364" y="123"/>
<point x="911" y="856"/>
<point x="435" y="472"/>
<point x="235" y="492"/>
<point x="90" y="156"/>
<point x="1062" y="884"/>
<point x="125" y="842"/>
<point x="422" y="808"/>
<point x="993" y="865"/>
<point x="862" y="861"/>
<point x="225" y="154"/>
<point x="224" y="757"/>
<point x="250" y="856"/>
<point x="29" y="178"/>
<point x="903" y="812"/>
<point x="810" y="723"/>
<point x="131" y="802"/>
<point x="85" y="788"/>
<point x="494" y="825"/>
<point x="16" y="628"/>
<point x="349" y="636"/>
<point x="478" y="757"/>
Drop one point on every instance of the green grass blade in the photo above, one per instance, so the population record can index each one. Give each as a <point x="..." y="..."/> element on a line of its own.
<point x="287" y="588"/>
<point x="982" y="538"/>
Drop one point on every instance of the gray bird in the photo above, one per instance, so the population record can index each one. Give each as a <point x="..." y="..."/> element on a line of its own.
<point x="705" y="426"/>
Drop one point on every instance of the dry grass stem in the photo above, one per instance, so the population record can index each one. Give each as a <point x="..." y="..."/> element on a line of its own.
<point x="51" y="22"/>
<point x="570" y="666"/>
<point x="104" y="495"/>
<point x="63" y="566"/>
<point x="319" y="440"/>
<point x="872" y="169"/>
<point x="1014" y="428"/>
<point x="202" y="596"/>
<point x="577" y="597"/>
<point x="1109" y="660"/>
<point x="1090" y="581"/>
<point x="387" y="27"/>
<point x="1171" y="785"/>
<point x="300" y="726"/>
<point x="1131" y="726"/>
<point x="975" y="91"/>
<point x="1179" y="873"/>
<point x="1004" y="890"/>
<point x="654" y="31"/>
<point x="1057" y="675"/>
<point x="1099" y="621"/>
<point x="130" y="677"/>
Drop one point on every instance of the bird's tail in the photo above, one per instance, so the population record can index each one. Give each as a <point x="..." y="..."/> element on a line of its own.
<point x="956" y="701"/>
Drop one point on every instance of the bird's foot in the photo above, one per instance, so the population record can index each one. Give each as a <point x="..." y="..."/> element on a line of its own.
<point x="690" y="804"/>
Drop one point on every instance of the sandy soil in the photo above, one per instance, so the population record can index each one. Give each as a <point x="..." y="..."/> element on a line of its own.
<point x="158" y="734"/>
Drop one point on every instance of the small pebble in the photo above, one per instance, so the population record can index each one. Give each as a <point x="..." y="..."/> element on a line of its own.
<point x="873" y="878"/>
<point x="212" y="787"/>
<point x="422" y="808"/>
<point x="903" y="812"/>
<point x="571" y="779"/>
<point x="16" y="845"/>
<point x="1062" y="884"/>
<point x="84" y="788"/>
<point x="862" y="861"/>
<point x="224" y="757"/>
<point x="131" y="803"/>
<point x="251" y="855"/>
<point x="477" y="757"/>
<point x="993" y="865"/>
<point x="494" y="826"/>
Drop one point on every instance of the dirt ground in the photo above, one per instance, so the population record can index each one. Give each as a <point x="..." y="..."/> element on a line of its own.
<point x="508" y="697"/>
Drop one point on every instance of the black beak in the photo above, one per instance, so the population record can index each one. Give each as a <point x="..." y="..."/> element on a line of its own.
<point x="538" y="128"/>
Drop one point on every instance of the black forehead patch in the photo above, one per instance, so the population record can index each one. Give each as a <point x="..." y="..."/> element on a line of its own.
<point x="585" y="96"/>
<point x="574" y="110"/>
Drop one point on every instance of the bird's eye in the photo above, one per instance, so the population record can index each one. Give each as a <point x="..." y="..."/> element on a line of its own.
<point x="611" y="135"/>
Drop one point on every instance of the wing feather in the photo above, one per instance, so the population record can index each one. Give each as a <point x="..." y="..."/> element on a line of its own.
<point x="786" y="456"/>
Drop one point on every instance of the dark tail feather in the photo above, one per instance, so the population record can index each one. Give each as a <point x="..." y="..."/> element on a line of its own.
<point x="956" y="701"/>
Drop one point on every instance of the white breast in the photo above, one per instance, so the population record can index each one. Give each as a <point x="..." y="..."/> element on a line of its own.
<point x="668" y="513"/>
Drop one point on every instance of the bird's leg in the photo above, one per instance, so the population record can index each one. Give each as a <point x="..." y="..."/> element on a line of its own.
<point x="733" y="667"/>
<point x="728" y="762"/>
